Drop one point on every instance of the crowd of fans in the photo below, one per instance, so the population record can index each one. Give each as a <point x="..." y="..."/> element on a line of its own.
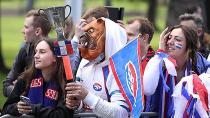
<point x="38" y="74"/>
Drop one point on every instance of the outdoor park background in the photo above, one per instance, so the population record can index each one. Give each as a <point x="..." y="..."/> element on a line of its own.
<point x="12" y="18"/>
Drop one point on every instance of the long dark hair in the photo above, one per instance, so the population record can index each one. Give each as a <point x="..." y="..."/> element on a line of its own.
<point x="57" y="75"/>
<point x="192" y="43"/>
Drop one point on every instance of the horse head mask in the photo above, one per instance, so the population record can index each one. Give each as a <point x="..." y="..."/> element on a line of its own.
<point x="92" y="40"/>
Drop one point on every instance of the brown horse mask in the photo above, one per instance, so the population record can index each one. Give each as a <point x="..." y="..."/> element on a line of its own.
<point x="92" y="41"/>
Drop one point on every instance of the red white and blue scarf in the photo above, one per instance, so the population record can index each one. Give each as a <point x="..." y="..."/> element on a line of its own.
<point x="43" y="93"/>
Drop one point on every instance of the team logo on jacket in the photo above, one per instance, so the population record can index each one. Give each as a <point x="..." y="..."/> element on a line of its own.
<point x="97" y="87"/>
<point x="131" y="78"/>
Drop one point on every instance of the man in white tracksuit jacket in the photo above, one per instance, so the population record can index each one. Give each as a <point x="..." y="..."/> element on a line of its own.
<point x="97" y="88"/>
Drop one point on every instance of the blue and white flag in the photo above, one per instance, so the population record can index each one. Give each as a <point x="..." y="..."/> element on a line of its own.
<point x="125" y="66"/>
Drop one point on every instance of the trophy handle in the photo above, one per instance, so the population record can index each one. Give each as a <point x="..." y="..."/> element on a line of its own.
<point x="39" y="12"/>
<point x="69" y="11"/>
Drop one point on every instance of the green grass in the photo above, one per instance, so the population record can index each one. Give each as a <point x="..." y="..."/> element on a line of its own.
<point x="11" y="26"/>
<point x="11" y="37"/>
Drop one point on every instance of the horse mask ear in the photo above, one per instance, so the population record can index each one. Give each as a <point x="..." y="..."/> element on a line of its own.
<point x="91" y="44"/>
<point x="100" y="20"/>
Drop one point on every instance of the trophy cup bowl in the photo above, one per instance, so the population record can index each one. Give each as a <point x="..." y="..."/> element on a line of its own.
<point x="56" y="17"/>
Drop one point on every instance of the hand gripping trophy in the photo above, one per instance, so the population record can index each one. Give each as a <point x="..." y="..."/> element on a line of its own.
<point x="63" y="48"/>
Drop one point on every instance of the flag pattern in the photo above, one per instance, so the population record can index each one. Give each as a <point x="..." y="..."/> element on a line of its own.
<point x="63" y="48"/>
<point x="192" y="97"/>
<point x="125" y="66"/>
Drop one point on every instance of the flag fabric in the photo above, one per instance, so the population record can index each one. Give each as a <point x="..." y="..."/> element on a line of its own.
<point x="126" y="68"/>
<point x="192" y="97"/>
<point x="63" y="48"/>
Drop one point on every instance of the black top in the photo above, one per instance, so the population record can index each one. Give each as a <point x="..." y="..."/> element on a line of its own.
<point x="22" y="61"/>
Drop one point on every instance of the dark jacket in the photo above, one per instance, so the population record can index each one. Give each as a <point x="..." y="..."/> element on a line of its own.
<point x="39" y="111"/>
<point x="22" y="61"/>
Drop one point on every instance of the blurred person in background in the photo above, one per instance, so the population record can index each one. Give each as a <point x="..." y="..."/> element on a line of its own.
<point x="195" y="22"/>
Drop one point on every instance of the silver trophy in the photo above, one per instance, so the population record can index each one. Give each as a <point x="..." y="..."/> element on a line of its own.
<point x="56" y="17"/>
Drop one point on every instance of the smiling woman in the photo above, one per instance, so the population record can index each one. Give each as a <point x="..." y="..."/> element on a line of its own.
<point x="176" y="58"/>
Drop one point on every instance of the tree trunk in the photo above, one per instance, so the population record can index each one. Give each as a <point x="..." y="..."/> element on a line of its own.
<point x="107" y="3"/>
<point x="29" y="4"/>
<point x="152" y="12"/>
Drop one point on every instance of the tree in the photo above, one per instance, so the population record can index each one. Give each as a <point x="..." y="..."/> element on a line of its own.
<point x="178" y="7"/>
<point x="152" y="12"/>
<point x="29" y="4"/>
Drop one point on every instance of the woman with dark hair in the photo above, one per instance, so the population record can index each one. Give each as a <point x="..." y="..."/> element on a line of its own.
<point x="43" y="84"/>
<point x="176" y="58"/>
